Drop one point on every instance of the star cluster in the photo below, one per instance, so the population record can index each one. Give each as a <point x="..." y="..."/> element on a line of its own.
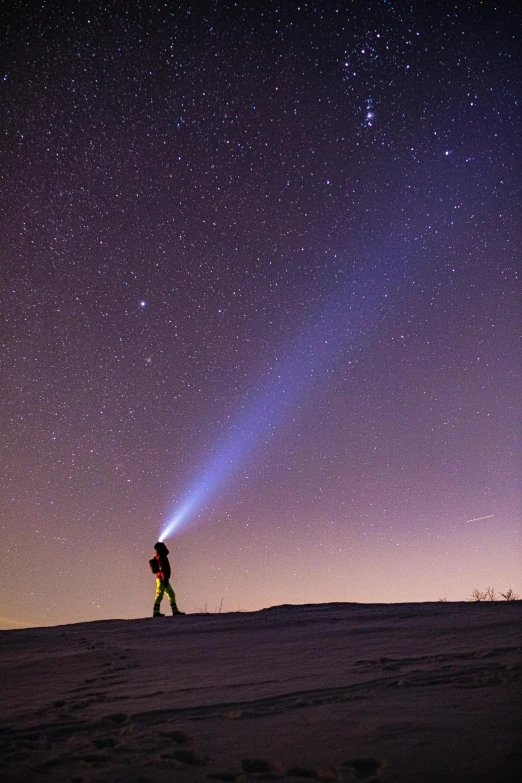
<point x="200" y="200"/>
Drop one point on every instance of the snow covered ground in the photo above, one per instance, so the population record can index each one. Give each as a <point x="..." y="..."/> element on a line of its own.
<point x="416" y="693"/>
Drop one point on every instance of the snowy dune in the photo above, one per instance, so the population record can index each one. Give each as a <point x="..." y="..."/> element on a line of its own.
<point x="348" y="692"/>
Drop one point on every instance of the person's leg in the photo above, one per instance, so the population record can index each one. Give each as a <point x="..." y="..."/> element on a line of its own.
<point x="172" y="598"/>
<point x="160" y="589"/>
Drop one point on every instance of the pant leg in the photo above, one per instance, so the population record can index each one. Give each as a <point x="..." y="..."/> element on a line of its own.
<point x="172" y="595"/>
<point x="160" y="590"/>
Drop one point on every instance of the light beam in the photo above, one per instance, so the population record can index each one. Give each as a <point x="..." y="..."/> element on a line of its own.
<point x="332" y="331"/>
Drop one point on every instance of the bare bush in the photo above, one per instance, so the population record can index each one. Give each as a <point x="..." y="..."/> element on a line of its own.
<point x="476" y="595"/>
<point x="489" y="594"/>
<point x="510" y="595"/>
<point x="205" y="610"/>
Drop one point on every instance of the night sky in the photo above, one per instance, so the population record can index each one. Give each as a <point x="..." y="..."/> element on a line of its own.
<point x="259" y="276"/>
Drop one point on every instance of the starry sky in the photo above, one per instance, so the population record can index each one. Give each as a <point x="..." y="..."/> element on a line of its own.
<point x="259" y="262"/>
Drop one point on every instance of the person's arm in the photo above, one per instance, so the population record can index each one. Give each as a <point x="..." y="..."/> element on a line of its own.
<point x="166" y="569"/>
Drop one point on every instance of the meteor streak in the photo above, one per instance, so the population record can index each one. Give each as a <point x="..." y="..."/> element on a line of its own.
<point x="477" y="519"/>
<point x="333" y="331"/>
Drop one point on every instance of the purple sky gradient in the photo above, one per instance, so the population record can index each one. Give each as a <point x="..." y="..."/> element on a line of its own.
<point x="207" y="208"/>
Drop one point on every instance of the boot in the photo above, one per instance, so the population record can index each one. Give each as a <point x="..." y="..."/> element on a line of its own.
<point x="157" y="614"/>
<point x="175" y="610"/>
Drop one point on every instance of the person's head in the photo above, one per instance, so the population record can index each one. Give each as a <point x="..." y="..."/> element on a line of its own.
<point x="161" y="549"/>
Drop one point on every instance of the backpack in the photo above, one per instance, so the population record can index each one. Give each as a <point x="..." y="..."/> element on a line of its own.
<point x="154" y="565"/>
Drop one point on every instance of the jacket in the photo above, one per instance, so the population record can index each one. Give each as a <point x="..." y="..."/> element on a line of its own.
<point x="164" y="567"/>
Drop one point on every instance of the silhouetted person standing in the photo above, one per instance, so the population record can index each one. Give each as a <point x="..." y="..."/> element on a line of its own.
<point x="161" y="567"/>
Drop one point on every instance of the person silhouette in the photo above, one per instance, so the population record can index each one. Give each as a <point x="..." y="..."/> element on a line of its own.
<point x="160" y="566"/>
